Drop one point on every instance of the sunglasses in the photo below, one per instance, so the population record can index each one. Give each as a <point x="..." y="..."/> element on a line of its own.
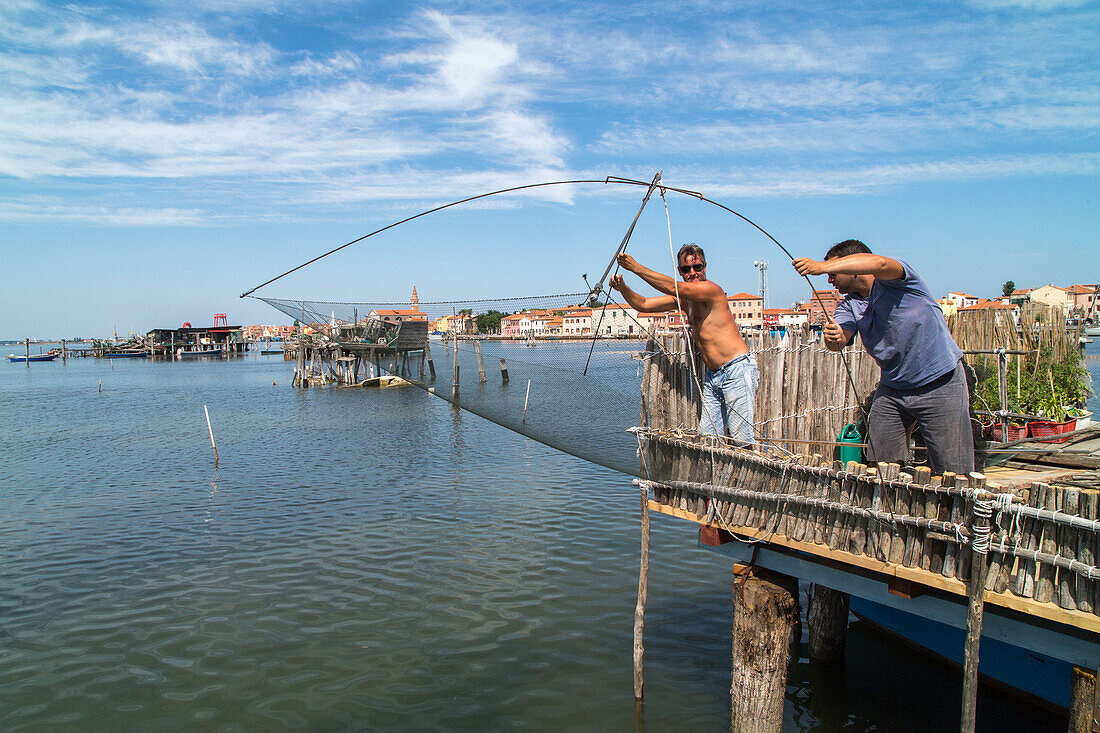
<point x="698" y="267"/>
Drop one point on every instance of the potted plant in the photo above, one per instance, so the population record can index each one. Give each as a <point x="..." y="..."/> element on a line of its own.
<point x="1066" y="386"/>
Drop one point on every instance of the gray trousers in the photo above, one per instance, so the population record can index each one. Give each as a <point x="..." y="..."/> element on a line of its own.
<point x="942" y="411"/>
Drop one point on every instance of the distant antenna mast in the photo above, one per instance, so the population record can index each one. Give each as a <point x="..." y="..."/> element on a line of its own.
<point x="762" y="265"/>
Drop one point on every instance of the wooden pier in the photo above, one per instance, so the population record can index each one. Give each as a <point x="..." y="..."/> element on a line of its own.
<point x="340" y="353"/>
<point x="1009" y="554"/>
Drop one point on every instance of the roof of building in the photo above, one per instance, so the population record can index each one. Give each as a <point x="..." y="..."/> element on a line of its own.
<point x="986" y="304"/>
<point x="744" y="296"/>
<point x="1080" y="289"/>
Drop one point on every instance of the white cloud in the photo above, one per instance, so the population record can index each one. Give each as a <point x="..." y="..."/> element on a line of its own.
<point x="1027" y="4"/>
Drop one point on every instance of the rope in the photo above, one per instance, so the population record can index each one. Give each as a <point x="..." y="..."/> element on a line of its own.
<point x="983" y="509"/>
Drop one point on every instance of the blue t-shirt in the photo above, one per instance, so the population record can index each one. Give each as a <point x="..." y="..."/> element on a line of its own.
<point x="903" y="328"/>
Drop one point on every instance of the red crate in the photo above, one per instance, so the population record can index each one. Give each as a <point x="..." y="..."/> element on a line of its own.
<point x="1048" y="428"/>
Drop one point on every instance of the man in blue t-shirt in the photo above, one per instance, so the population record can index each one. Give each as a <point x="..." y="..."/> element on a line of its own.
<point x="923" y="379"/>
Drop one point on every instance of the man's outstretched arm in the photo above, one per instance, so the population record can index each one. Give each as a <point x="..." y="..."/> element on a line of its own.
<point x="883" y="268"/>
<point x="639" y="303"/>
<point x="698" y="292"/>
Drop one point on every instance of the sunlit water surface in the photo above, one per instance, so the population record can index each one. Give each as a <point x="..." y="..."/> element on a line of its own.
<point x="360" y="559"/>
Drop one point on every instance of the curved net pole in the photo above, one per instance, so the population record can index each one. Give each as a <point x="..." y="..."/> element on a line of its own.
<point x="511" y="189"/>
<point x="612" y="263"/>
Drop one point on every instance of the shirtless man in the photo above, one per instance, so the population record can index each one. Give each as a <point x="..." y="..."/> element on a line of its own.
<point x="729" y="388"/>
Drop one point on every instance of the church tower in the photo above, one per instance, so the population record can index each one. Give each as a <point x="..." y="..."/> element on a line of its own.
<point x="414" y="301"/>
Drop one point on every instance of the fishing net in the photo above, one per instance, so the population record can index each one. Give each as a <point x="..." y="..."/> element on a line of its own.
<point x="548" y="379"/>
<point x="594" y="379"/>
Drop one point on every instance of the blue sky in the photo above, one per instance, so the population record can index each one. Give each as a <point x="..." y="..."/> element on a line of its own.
<point x="158" y="159"/>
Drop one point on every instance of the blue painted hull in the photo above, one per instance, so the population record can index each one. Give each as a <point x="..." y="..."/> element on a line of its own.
<point x="34" y="357"/>
<point x="1038" y="676"/>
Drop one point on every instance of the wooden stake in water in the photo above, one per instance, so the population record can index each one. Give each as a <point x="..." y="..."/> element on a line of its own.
<point x="643" y="589"/>
<point x="525" y="401"/>
<point x="211" y="431"/>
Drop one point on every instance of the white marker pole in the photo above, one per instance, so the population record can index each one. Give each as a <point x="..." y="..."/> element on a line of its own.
<point x="525" y="401"/>
<point x="211" y="430"/>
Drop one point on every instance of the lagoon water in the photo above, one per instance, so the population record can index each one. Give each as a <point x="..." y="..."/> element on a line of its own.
<point x="361" y="560"/>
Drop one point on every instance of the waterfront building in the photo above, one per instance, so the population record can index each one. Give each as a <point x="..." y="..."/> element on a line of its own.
<point x="747" y="309"/>
<point x="948" y="306"/>
<point x="390" y="315"/>
<point x="1019" y="296"/>
<point x="577" y="321"/>
<point x="815" y="314"/>
<point x="1053" y="295"/>
<point x="962" y="300"/>
<point x="1085" y="301"/>
<point x="1002" y="309"/>
<point x="654" y="322"/>
<point x="616" y="319"/>
<point x="510" y="325"/>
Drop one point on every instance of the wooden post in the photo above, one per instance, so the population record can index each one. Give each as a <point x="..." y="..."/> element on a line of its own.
<point x="643" y="584"/>
<point x="763" y="614"/>
<point x="503" y="371"/>
<point x="428" y="354"/>
<point x="1083" y="703"/>
<point x="979" y="569"/>
<point x="27" y="351"/>
<point x="480" y="361"/>
<point x="64" y="356"/>
<point x="827" y="617"/>
<point x="454" y="376"/>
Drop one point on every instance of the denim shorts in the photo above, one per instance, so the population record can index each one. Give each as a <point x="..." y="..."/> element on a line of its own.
<point x="729" y="398"/>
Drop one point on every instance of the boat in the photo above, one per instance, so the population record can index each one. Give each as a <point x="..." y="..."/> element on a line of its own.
<point x="271" y="351"/>
<point x="125" y="354"/>
<point x="1092" y="331"/>
<point x="48" y="356"/>
<point x="183" y="353"/>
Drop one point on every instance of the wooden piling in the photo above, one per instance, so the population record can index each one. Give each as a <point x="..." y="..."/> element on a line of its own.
<point x="827" y="618"/>
<point x="1084" y="708"/>
<point x="503" y="371"/>
<point x="643" y="585"/>
<point x="480" y="361"/>
<point x="454" y="372"/>
<point x="27" y="351"/>
<point x="763" y="615"/>
<point x="979" y="529"/>
<point x="431" y="364"/>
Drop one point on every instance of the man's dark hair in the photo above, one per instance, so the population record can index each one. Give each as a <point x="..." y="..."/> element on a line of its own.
<point x="847" y="247"/>
<point x="691" y="248"/>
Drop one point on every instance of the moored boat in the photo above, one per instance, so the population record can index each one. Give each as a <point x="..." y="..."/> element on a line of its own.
<point x="201" y="351"/>
<point x="48" y="356"/>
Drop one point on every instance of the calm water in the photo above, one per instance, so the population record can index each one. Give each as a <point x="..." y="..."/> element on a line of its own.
<point x="361" y="559"/>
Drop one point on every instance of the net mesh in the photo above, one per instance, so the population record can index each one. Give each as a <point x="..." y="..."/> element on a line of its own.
<point x="563" y="388"/>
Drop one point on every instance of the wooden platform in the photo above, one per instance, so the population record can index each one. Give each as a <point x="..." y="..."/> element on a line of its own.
<point x="915" y="580"/>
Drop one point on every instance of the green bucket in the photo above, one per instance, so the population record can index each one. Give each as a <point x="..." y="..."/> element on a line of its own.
<point x="846" y="452"/>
